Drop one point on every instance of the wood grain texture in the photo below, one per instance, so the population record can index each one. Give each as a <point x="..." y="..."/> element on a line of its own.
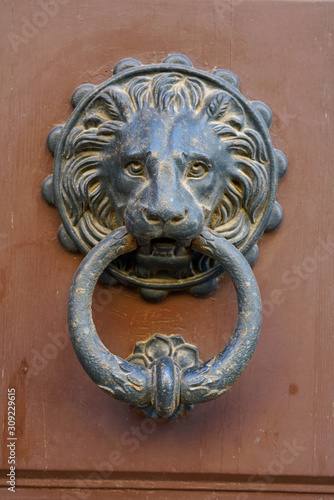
<point x="72" y="494"/>
<point x="277" y="421"/>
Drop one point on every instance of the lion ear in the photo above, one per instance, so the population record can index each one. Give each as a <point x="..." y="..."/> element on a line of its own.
<point x="223" y="107"/>
<point x="118" y="105"/>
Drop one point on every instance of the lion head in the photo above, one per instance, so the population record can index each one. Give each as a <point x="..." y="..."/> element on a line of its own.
<point x="164" y="157"/>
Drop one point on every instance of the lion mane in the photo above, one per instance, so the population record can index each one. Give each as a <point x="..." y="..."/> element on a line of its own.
<point x="84" y="189"/>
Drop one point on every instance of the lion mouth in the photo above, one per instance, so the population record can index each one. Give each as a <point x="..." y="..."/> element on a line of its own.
<point x="163" y="256"/>
<point x="164" y="248"/>
<point x="160" y="258"/>
<point x="143" y="242"/>
<point x="164" y="259"/>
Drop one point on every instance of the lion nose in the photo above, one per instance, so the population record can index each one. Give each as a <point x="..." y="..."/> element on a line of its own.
<point x="164" y="216"/>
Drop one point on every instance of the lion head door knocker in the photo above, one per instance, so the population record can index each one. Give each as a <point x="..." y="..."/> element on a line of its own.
<point x="165" y="176"/>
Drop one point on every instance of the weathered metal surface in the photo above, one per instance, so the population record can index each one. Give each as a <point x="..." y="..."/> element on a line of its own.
<point x="168" y="384"/>
<point x="185" y="163"/>
<point x="165" y="150"/>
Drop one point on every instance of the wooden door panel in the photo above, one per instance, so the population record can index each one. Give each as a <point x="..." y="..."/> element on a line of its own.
<point x="70" y="494"/>
<point x="277" y="420"/>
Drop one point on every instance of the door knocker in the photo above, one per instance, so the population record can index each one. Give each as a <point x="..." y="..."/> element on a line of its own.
<point x="166" y="177"/>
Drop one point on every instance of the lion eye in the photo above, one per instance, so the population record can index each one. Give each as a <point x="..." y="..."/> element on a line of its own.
<point x="135" y="168"/>
<point x="198" y="169"/>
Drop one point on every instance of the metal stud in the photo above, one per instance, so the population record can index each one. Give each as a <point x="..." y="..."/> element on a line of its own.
<point x="228" y="77"/>
<point x="126" y="64"/>
<point x="264" y="111"/>
<point x="178" y="59"/>
<point x="53" y="138"/>
<point x="80" y="93"/>
<point x="275" y="218"/>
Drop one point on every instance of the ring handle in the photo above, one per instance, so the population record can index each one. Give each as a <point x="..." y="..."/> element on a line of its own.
<point x="164" y="384"/>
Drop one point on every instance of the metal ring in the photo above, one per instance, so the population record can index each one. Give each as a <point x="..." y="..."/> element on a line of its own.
<point x="163" y="385"/>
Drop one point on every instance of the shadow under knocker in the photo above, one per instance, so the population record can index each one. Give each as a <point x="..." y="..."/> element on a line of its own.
<point x="166" y="177"/>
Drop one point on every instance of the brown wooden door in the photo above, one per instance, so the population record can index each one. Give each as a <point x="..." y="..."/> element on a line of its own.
<point x="271" y="435"/>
